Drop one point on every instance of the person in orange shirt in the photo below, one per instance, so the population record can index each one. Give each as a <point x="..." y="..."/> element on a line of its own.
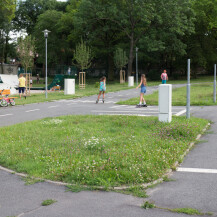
<point x="22" y="85"/>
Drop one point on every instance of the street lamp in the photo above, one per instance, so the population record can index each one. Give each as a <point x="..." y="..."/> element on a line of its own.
<point x="137" y="65"/>
<point x="46" y="36"/>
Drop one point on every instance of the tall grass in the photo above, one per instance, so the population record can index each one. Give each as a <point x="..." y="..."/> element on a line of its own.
<point x="97" y="150"/>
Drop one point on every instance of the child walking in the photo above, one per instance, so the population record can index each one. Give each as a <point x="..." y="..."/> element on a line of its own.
<point x="102" y="89"/>
<point x="164" y="77"/>
<point x="143" y="85"/>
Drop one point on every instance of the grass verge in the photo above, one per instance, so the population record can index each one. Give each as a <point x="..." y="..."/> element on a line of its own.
<point x="137" y="191"/>
<point x="201" y="95"/>
<point x="97" y="150"/>
<point x="148" y="205"/>
<point x="48" y="202"/>
<point x="189" y="211"/>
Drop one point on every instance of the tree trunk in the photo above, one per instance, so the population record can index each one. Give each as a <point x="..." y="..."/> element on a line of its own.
<point x="131" y="56"/>
<point x="6" y="49"/>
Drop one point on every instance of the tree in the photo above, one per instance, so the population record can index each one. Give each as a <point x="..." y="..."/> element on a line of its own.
<point x="7" y="10"/>
<point x="136" y="18"/>
<point x="202" y="44"/>
<point x="28" y="12"/>
<point x="120" y="58"/>
<point x="57" y="41"/>
<point x="101" y="34"/>
<point x="82" y="56"/>
<point x="26" y="52"/>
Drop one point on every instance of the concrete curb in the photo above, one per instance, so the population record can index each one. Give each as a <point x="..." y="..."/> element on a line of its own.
<point x="145" y="185"/>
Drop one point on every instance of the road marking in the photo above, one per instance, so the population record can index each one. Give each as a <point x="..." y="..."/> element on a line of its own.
<point x="54" y="106"/>
<point x="119" y="111"/>
<point x="6" y="115"/>
<point x="180" y="113"/>
<point x="33" y="110"/>
<point x="197" y="170"/>
<point x="73" y="103"/>
<point x="62" y="100"/>
<point x="118" y="106"/>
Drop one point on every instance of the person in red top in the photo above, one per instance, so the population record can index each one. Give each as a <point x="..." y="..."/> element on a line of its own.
<point x="164" y="77"/>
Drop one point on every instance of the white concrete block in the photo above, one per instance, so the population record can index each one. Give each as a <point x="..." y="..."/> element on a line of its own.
<point x="130" y="81"/>
<point x="69" y="86"/>
<point x="165" y="117"/>
<point x="165" y="102"/>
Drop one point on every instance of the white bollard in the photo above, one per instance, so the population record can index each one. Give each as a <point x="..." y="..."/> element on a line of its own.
<point x="69" y="86"/>
<point x="165" y="103"/>
<point x="130" y="81"/>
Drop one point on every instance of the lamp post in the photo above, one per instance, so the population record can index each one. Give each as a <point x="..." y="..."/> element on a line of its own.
<point x="46" y="36"/>
<point x="137" y="65"/>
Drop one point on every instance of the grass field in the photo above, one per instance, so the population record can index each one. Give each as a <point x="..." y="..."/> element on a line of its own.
<point x="97" y="150"/>
<point x="92" y="81"/>
<point x="201" y="94"/>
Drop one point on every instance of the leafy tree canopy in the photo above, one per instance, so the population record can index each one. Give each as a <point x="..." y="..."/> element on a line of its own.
<point x="57" y="44"/>
<point x="29" y="10"/>
<point x="7" y="10"/>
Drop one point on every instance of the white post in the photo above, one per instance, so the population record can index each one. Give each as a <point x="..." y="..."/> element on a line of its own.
<point x="130" y="81"/>
<point x="214" y="86"/>
<point x="69" y="86"/>
<point x="188" y="90"/>
<point x="165" y="103"/>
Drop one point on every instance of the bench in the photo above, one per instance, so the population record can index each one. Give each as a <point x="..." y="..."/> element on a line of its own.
<point x="54" y="88"/>
<point x="6" y="93"/>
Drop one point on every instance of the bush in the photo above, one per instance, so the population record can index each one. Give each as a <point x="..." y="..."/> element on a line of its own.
<point x="176" y="76"/>
<point x="96" y="85"/>
<point x="154" y="74"/>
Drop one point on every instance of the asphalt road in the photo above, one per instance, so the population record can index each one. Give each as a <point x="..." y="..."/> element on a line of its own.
<point x="87" y="105"/>
<point x="195" y="189"/>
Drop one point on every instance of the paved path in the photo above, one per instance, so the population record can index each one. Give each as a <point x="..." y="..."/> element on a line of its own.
<point x="12" y="115"/>
<point x="190" y="189"/>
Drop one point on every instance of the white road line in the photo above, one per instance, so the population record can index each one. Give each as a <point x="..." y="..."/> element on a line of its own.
<point x="33" y="110"/>
<point x="109" y="101"/>
<point x="73" y="103"/>
<point x="6" y="115"/>
<point x="197" y="170"/>
<point x="121" y="111"/>
<point x="118" y="106"/>
<point x="54" y="106"/>
<point x="180" y="113"/>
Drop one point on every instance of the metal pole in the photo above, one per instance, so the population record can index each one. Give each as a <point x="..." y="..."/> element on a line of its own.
<point x="188" y="90"/>
<point x="214" y="89"/>
<point x="46" y="67"/>
<point x="137" y="66"/>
